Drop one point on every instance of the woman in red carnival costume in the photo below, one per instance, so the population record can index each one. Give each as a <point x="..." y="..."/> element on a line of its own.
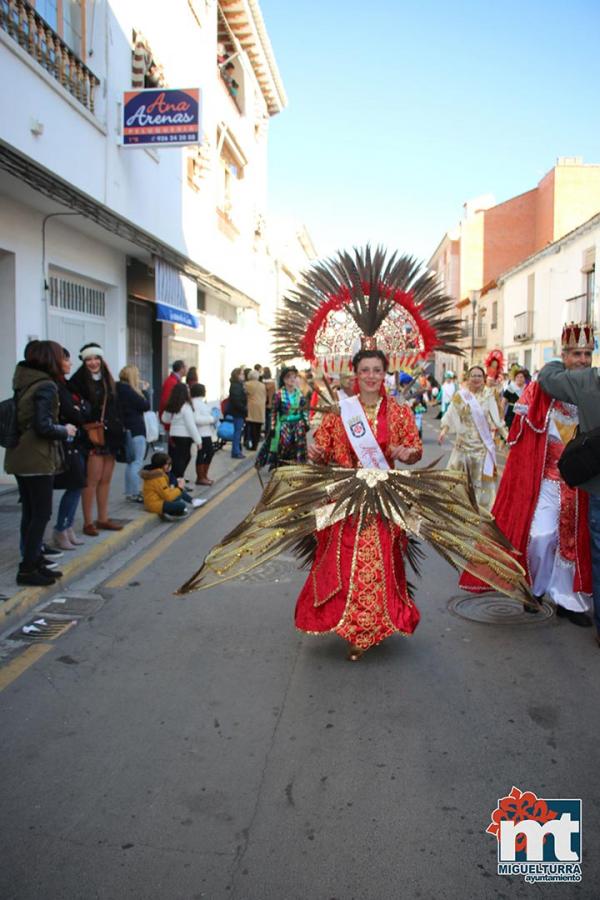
<point x="357" y="584"/>
<point x="350" y="513"/>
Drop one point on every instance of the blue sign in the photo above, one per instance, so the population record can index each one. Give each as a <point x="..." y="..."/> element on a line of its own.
<point x="161" y="116"/>
<point x="165" y="313"/>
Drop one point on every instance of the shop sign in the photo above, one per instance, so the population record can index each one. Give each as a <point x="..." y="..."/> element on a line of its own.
<point x="165" y="313"/>
<point x="161" y="117"/>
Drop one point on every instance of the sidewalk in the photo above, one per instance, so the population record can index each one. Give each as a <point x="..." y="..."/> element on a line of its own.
<point x="132" y="516"/>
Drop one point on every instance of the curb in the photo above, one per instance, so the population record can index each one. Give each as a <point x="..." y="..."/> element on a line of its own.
<point x="24" y="599"/>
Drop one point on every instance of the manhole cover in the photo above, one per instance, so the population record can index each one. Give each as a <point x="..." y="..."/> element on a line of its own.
<point x="74" y="605"/>
<point x="496" y="609"/>
<point x="41" y="628"/>
<point x="275" y="571"/>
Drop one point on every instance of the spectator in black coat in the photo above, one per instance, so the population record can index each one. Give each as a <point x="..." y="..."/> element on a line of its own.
<point x="133" y="403"/>
<point x="93" y="381"/>
<point x="73" y="408"/>
<point x="238" y="410"/>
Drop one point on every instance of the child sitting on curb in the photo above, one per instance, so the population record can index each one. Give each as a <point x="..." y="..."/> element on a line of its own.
<point x="163" y="494"/>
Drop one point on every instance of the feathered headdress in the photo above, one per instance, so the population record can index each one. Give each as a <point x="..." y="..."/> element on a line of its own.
<point x="365" y="300"/>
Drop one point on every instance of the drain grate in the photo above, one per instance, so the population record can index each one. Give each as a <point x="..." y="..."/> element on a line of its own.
<point x="495" y="609"/>
<point x="78" y="605"/>
<point x="41" y="628"/>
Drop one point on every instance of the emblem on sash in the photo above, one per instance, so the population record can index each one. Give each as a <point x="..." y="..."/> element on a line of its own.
<point x="357" y="428"/>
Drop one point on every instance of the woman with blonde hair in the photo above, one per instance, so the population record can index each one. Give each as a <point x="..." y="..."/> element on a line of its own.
<point x="133" y="402"/>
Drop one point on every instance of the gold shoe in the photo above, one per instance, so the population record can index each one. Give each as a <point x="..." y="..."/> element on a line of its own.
<point x="354" y="653"/>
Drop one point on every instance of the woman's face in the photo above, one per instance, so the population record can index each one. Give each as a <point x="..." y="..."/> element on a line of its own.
<point x="94" y="364"/>
<point x="520" y="379"/>
<point x="290" y="380"/>
<point x="475" y="380"/>
<point x="370" y="374"/>
<point x="66" y="365"/>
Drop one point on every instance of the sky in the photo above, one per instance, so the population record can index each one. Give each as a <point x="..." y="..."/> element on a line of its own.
<point x="399" y="112"/>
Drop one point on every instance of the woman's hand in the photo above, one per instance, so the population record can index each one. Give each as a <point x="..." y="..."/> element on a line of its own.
<point x="316" y="454"/>
<point x="404" y="454"/>
<point x="71" y="430"/>
<point x="441" y="437"/>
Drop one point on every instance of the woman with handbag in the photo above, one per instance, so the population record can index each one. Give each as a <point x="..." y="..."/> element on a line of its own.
<point x="133" y="403"/>
<point x="72" y="479"/>
<point x="103" y="436"/>
<point x="36" y="458"/>
<point x="183" y="431"/>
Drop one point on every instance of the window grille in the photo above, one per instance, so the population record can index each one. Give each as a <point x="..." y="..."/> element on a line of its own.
<point x="73" y="296"/>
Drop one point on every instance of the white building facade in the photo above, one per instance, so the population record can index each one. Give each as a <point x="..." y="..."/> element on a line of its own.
<point x="554" y="286"/>
<point x="94" y="235"/>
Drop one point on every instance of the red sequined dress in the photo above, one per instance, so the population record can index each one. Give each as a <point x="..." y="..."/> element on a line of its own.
<point x="357" y="583"/>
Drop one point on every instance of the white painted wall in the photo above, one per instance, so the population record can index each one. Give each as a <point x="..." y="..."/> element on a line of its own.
<point x="558" y="276"/>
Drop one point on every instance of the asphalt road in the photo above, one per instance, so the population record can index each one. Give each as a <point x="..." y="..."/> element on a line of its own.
<point x="174" y="748"/>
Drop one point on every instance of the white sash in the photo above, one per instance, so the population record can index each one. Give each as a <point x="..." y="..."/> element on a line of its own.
<point x="361" y="435"/>
<point x="483" y="428"/>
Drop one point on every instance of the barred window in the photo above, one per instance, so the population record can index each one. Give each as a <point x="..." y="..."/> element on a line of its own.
<point x="75" y="296"/>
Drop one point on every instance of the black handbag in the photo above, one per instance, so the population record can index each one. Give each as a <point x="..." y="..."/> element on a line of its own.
<point x="72" y="476"/>
<point x="125" y="452"/>
<point x="580" y="459"/>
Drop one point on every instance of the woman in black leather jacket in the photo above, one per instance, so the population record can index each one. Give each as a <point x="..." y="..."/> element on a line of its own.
<point x="75" y="409"/>
<point x="37" y="458"/>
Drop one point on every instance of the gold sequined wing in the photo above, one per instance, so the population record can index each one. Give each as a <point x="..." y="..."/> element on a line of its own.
<point x="437" y="506"/>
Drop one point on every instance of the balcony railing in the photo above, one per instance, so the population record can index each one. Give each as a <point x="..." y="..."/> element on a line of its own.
<point x="579" y="309"/>
<point x="19" y="19"/>
<point x="478" y="337"/>
<point x="523" y="326"/>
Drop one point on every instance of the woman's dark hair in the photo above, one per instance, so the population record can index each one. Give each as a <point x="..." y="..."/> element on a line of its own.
<point x="246" y="372"/>
<point x="198" y="390"/>
<point x="481" y="369"/>
<point x="369" y="354"/>
<point x="66" y="354"/>
<point x="285" y="372"/>
<point x="192" y="376"/>
<point x="178" y="397"/>
<point x="159" y="460"/>
<point x="235" y="374"/>
<point x="266" y="373"/>
<point x="107" y="378"/>
<point x="47" y="356"/>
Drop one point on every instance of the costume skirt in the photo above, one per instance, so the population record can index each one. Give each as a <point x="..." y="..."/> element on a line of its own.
<point x="357" y="584"/>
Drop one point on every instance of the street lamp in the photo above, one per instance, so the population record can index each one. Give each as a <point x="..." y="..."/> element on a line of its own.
<point x="474" y="295"/>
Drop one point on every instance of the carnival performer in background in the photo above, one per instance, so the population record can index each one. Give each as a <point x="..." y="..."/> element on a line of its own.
<point x="542" y="517"/>
<point x="511" y="394"/>
<point x="473" y="416"/>
<point x="448" y="391"/>
<point x="351" y="515"/>
<point x="286" y="440"/>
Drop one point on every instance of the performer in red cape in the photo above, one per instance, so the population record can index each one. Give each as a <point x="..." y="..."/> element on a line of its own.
<point x="543" y="518"/>
<point x="357" y="585"/>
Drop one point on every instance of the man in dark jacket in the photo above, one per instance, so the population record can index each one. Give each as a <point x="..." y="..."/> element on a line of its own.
<point x="581" y="387"/>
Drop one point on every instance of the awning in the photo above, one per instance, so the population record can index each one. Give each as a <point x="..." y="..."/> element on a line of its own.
<point x="175" y="294"/>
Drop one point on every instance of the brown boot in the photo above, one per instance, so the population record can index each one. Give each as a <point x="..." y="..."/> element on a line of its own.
<point x="201" y="471"/>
